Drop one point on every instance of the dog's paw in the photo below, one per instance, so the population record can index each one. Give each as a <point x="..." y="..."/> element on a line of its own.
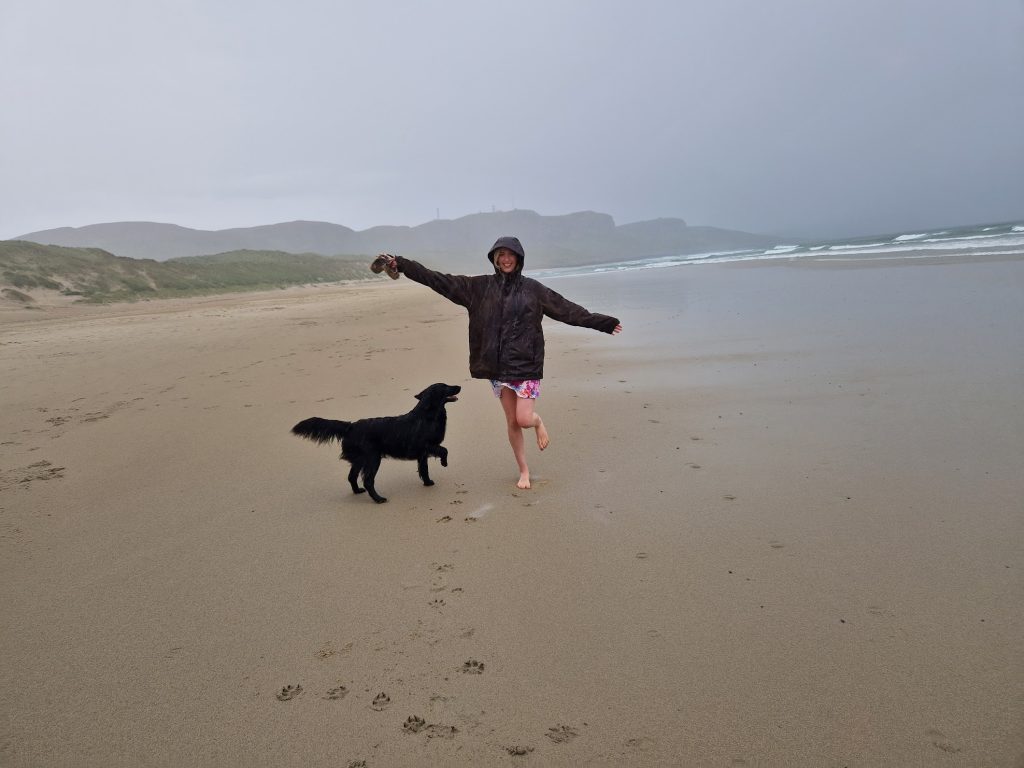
<point x="444" y="461"/>
<point x="428" y="482"/>
<point x="358" y="490"/>
<point x="379" y="499"/>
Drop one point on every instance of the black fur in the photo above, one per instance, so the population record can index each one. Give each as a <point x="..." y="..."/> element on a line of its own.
<point x="414" y="435"/>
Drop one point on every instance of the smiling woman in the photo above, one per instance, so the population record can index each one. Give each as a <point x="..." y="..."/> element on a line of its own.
<point x="506" y="338"/>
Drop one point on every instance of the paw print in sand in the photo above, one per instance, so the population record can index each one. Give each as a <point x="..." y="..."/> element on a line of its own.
<point x="289" y="692"/>
<point x="414" y="724"/>
<point x="561" y="734"/>
<point x="473" y="667"/>
<point x="381" y="702"/>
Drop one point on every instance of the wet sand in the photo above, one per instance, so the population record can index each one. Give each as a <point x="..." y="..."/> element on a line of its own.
<point x="779" y="524"/>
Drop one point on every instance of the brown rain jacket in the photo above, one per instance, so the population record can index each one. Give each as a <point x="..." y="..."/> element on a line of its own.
<point x="506" y="341"/>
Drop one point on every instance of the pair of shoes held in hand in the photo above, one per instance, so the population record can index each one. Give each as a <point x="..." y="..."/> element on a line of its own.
<point x="385" y="262"/>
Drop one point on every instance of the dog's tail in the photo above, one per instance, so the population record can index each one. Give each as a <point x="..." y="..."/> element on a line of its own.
<point x="321" y="430"/>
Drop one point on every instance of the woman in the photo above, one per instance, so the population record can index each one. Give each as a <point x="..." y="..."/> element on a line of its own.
<point x="506" y="340"/>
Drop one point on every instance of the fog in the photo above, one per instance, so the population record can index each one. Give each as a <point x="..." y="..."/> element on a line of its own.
<point x="791" y="117"/>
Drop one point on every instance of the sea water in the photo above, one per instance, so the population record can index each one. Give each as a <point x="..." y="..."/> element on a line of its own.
<point x="1001" y="240"/>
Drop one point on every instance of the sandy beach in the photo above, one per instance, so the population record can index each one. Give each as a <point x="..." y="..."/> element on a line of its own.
<point x="780" y="523"/>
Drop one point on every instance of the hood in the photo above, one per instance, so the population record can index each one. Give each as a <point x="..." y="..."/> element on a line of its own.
<point x="513" y="244"/>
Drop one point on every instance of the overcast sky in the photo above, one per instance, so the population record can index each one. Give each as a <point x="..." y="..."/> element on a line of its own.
<point x="775" y="116"/>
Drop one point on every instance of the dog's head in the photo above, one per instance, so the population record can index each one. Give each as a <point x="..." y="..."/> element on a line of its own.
<point x="439" y="394"/>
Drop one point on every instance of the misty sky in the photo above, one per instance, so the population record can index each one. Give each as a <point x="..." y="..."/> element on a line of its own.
<point x="807" y="117"/>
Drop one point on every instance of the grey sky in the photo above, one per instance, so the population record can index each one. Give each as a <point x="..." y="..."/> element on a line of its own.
<point x="776" y="116"/>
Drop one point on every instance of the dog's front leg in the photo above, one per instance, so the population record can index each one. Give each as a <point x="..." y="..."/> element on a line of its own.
<point x="421" y="466"/>
<point x="441" y="452"/>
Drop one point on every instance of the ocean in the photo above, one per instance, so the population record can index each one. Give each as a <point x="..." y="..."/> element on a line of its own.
<point x="987" y="240"/>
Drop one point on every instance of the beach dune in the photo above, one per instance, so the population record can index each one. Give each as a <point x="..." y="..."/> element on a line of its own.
<point x="779" y="524"/>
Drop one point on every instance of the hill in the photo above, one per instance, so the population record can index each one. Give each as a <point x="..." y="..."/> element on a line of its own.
<point x="456" y="244"/>
<point x="94" y="275"/>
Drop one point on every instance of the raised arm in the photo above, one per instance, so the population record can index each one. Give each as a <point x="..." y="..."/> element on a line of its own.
<point x="559" y="308"/>
<point x="453" y="287"/>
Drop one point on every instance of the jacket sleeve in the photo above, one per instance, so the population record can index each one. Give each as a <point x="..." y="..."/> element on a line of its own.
<point x="453" y="287"/>
<point x="559" y="308"/>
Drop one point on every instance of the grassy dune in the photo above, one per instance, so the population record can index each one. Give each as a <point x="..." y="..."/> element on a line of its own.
<point x="96" y="276"/>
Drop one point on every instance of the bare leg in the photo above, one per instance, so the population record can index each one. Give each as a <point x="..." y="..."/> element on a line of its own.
<point x="515" y="435"/>
<point x="530" y="419"/>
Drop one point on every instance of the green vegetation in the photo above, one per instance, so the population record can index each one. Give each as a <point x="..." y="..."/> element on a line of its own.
<point x="97" y="276"/>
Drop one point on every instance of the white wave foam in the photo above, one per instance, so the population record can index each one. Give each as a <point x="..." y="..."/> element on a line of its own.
<point x="909" y="246"/>
<point x="857" y="245"/>
<point x="902" y="257"/>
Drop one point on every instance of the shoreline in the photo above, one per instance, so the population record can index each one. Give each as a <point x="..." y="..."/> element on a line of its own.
<point x="57" y="307"/>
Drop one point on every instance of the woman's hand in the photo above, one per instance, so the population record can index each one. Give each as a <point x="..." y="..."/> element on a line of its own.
<point x="617" y="329"/>
<point x="385" y="262"/>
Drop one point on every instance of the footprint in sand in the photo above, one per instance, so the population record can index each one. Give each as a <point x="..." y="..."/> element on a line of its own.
<point x="289" y="692"/>
<point x="441" y="731"/>
<point x="938" y="739"/>
<point x="473" y="667"/>
<point x="641" y="743"/>
<point x="437" y="603"/>
<point x="515" y="750"/>
<point x="561" y="733"/>
<point x="326" y="651"/>
<point x="380" y="702"/>
<point x="40" y="470"/>
<point x="357" y="764"/>
<point x="414" y="724"/>
<point x="336" y="693"/>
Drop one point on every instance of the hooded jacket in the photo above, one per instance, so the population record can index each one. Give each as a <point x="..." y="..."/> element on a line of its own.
<point x="506" y="340"/>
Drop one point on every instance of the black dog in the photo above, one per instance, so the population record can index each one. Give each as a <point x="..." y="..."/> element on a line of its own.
<point x="414" y="435"/>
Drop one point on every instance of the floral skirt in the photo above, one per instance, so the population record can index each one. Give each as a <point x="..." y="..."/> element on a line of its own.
<point x="529" y="388"/>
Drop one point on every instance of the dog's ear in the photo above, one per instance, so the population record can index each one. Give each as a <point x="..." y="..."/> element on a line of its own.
<point x="432" y="393"/>
<point x="425" y="392"/>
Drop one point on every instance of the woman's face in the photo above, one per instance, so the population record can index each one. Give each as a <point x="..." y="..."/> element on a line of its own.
<point x="505" y="260"/>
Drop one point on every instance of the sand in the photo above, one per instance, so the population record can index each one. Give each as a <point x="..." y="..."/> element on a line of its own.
<point x="779" y="524"/>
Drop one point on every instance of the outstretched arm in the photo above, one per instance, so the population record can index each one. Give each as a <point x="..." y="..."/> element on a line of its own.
<point x="453" y="287"/>
<point x="559" y="308"/>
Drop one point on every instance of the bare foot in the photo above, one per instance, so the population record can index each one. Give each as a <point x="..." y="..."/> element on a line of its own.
<point x="542" y="435"/>
<point x="524" y="481"/>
